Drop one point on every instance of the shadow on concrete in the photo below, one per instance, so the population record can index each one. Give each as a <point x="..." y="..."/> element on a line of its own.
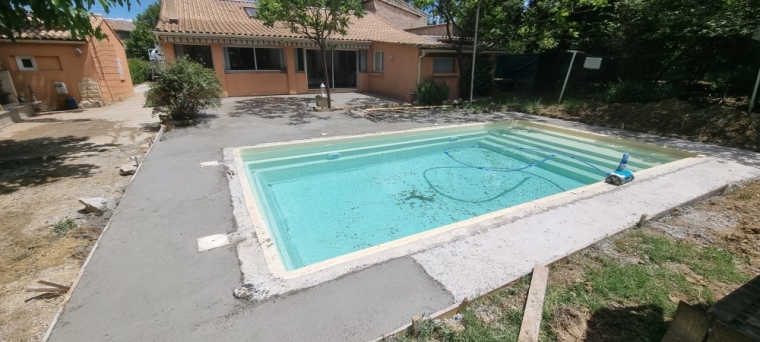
<point x="52" y="120"/>
<point x="40" y="161"/>
<point x="632" y="323"/>
<point x="370" y="101"/>
<point x="436" y="115"/>
<point x="296" y="110"/>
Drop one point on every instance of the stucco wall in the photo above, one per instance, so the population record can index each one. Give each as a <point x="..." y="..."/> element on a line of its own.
<point x="398" y="79"/>
<point x="452" y="79"/>
<point x="400" y="70"/>
<point x="60" y="62"/>
<point x="71" y="69"/>
<point x="114" y="86"/>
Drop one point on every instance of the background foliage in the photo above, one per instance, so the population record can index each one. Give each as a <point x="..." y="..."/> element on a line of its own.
<point x="139" y="69"/>
<point x="142" y="37"/>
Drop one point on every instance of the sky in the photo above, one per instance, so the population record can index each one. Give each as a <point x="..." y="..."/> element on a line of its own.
<point x="121" y="12"/>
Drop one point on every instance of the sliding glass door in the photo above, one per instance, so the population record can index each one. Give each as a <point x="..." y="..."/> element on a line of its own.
<point x="341" y="68"/>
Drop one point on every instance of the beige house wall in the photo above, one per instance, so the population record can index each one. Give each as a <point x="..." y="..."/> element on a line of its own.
<point x="398" y="79"/>
<point x="61" y="62"/>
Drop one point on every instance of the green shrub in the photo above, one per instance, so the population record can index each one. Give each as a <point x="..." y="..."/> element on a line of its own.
<point x="139" y="69"/>
<point x="63" y="226"/>
<point x="432" y="94"/>
<point x="484" y="85"/>
<point x="185" y="90"/>
<point x="641" y="92"/>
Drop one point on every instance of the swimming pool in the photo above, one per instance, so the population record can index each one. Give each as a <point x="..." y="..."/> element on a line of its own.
<point x="321" y="200"/>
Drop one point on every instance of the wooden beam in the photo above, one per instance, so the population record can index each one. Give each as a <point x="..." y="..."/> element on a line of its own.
<point x="534" y="305"/>
<point x="50" y="283"/>
<point x="44" y="289"/>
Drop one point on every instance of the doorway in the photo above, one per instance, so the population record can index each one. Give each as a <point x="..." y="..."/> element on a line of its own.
<point x="342" y="67"/>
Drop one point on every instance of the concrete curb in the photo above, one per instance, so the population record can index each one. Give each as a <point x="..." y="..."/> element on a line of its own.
<point x="49" y="330"/>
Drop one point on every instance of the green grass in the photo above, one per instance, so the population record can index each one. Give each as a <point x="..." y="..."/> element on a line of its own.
<point x="63" y="226"/>
<point x="626" y="301"/>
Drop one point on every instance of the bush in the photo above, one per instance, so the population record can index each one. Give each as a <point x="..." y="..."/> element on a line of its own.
<point x="185" y="89"/>
<point x="432" y="94"/>
<point x="484" y="85"/>
<point x="641" y="92"/>
<point x="139" y="69"/>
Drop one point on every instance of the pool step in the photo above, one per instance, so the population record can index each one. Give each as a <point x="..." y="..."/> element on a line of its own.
<point x="324" y="153"/>
<point x="556" y="165"/>
<point x="572" y="145"/>
<point x="609" y="163"/>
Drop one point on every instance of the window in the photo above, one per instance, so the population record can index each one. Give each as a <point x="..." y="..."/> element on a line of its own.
<point x="300" y="60"/>
<point x="377" y="62"/>
<point x="251" y="11"/>
<point x="252" y="59"/>
<point x="443" y="64"/>
<point x="118" y="67"/>
<point x="26" y="63"/>
<point x="198" y="53"/>
<point x="239" y="59"/>
<point x="269" y="59"/>
<point x="362" y="60"/>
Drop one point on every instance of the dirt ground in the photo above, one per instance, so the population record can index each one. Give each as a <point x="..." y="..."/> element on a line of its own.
<point x="716" y="124"/>
<point x="47" y="163"/>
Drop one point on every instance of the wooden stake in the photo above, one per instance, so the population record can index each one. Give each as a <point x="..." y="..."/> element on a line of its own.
<point x="44" y="289"/>
<point x="463" y="305"/>
<point x="622" y="125"/>
<point x="416" y="325"/>
<point x="725" y="189"/>
<point x="50" y="283"/>
<point x="642" y="220"/>
<point x="534" y="305"/>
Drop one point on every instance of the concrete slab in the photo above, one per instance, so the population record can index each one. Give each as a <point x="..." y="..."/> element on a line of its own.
<point x="148" y="282"/>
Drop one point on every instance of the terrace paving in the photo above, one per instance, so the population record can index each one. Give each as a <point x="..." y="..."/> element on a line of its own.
<point x="146" y="281"/>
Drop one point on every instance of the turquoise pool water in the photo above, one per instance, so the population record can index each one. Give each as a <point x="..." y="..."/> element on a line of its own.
<point x="321" y="202"/>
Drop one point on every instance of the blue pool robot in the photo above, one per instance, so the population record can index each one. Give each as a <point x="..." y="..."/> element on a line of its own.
<point x="622" y="175"/>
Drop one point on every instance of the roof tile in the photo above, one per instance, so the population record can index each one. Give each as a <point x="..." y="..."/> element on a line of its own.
<point x="225" y="17"/>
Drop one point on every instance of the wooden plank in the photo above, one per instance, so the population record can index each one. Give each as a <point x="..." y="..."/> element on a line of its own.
<point x="44" y="289"/>
<point x="50" y="283"/>
<point x="534" y="305"/>
<point x="689" y="324"/>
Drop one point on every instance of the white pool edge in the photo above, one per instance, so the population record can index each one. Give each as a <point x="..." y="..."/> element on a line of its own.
<point x="260" y="263"/>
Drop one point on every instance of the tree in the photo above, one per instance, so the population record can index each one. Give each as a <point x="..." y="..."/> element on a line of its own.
<point x="71" y="15"/>
<point x="518" y="26"/>
<point x="142" y="37"/>
<point x="318" y="20"/>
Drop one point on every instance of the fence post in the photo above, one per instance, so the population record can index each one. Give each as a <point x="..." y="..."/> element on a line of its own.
<point x="570" y="68"/>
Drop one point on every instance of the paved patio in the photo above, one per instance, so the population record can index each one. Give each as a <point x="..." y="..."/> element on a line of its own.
<point x="147" y="281"/>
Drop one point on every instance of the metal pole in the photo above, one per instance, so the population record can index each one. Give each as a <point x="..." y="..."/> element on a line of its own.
<point x="474" y="49"/>
<point x="570" y="68"/>
<point x="754" y="93"/>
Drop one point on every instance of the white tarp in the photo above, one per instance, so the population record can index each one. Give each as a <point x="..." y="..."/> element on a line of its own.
<point x="592" y="63"/>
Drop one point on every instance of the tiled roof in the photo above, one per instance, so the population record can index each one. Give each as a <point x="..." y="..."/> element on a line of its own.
<point x="42" y="33"/>
<point x="121" y="25"/>
<point x="225" y="17"/>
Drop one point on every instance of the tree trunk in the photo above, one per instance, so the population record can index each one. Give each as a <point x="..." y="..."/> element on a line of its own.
<point x="327" y="79"/>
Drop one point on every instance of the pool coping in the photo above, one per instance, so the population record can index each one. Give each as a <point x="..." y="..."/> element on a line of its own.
<point x="259" y="259"/>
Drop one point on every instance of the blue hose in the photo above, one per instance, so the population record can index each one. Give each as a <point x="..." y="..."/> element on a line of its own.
<point x="550" y="156"/>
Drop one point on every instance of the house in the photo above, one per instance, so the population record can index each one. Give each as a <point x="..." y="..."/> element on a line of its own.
<point x="252" y="59"/>
<point x="86" y="69"/>
<point x="400" y="14"/>
<point x="122" y="28"/>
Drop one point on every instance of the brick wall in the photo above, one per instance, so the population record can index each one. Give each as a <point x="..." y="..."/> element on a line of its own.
<point x="110" y="69"/>
<point x="395" y="14"/>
